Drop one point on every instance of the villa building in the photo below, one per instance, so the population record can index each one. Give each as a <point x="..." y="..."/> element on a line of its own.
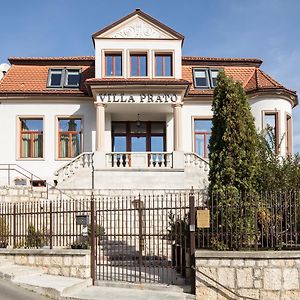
<point x="138" y="113"/>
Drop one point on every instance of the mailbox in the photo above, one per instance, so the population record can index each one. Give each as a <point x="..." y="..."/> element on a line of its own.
<point x="82" y="220"/>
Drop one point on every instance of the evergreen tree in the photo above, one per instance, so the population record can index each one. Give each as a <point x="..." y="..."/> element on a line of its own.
<point x="233" y="145"/>
<point x="234" y="165"/>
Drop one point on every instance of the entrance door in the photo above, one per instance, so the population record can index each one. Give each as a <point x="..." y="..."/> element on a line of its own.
<point x="139" y="136"/>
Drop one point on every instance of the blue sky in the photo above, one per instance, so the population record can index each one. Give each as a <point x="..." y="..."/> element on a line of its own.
<point x="265" y="29"/>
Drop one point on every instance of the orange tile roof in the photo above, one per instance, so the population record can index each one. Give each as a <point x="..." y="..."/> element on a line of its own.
<point x="251" y="77"/>
<point x="28" y="75"/>
<point x="32" y="79"/>
<point x="15" y="60"/>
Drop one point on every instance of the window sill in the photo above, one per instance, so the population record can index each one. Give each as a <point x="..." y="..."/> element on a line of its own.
<point x="64" y="159"/>
<point x="112" y="76"/>
<point x="163" y="77"/>
<point x="30" y="159"/>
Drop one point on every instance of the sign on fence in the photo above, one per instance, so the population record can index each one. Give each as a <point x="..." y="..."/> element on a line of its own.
<point x="203" y="218"/>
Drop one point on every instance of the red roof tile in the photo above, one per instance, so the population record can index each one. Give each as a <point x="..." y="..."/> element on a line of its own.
<point x="32" y="79"/>
<point x="28" y="75"/>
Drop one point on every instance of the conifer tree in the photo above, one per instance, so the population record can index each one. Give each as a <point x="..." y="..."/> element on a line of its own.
<point x="233" y="151"/>
<point x="233" y="146"/>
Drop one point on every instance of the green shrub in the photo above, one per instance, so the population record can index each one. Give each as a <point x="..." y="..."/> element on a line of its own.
<point x="4" y="232"/>
<point x="34" y="238"/>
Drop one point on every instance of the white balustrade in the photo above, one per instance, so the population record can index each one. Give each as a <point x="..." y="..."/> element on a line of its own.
<point x="194" y="160"/>
<point x="139" y="160"/>
<point x="83" y="160"/>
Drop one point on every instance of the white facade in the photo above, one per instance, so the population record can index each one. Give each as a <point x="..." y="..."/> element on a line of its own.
<point x="128" y="99"/>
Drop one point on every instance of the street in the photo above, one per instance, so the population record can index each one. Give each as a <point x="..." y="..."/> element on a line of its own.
<point x="9" y="291"/>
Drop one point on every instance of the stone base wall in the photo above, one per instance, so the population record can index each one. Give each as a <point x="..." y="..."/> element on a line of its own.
<point x="71" y="263"/>
<point x="247" y="275"/>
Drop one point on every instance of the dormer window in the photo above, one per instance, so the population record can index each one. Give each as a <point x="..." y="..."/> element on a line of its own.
<point x="205" y="78"/>
<point x="163" y="65"/>
<point x="138" y="65"/>
<point x="64" y="78"/>
<point x="113" y="64"/>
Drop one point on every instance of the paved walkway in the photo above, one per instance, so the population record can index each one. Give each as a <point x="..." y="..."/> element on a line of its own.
<point x="59" y="287"/>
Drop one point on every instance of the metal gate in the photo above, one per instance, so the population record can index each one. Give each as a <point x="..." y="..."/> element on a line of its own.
<point x="144" y="238"/>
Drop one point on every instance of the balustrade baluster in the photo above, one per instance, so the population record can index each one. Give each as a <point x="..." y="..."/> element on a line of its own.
<point x="115" y="160"/>
<point x="151" y="160"/>
<point x="127" y="160"/>
<point x="157" y="160"/>
<point x="168" y="160"/>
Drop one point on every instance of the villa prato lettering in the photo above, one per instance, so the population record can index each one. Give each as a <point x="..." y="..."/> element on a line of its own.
<point x="138" y="98"/>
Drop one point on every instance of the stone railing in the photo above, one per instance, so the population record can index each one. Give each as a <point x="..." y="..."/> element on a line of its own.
<point x="194" y="160"/>
<point x="83" y="160"/>
<point x="157" y="160"/>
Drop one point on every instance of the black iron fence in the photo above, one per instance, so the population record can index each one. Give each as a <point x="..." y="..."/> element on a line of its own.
<point x="254" y="221"/>
<point x="44" y="223"/>
<point x="267" y="220"/>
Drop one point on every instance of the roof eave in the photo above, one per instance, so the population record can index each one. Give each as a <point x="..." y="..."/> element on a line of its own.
<point x="290" y="95"/>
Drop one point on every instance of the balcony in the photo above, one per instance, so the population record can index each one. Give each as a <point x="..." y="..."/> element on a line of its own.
<point x="139" y="160"/>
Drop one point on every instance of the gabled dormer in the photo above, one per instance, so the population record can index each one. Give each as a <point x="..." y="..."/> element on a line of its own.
<point x="138" y="46"/>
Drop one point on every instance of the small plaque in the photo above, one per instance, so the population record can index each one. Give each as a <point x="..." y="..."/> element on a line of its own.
<point x="203" y="218"/>
<point x="82" y="220"/>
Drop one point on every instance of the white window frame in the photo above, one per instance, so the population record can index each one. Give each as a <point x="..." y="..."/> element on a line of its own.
<point x="208" y="76"/>
<point x="64" y="77"/>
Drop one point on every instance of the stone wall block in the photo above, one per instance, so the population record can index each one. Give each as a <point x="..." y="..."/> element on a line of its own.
<point x="257" y="273"/>
<point x="290" y="295"/>
<point x="208" y="276"/>
<point x="31" y="260"/>
<point x="56" y="261"/>
<point x="225" y="262"/>
<point x="244" y="277"/>
<point x="21" y="259"/>
<point x="289" y="263"/>
<point x="250" y="262"/>
<point x="277" y="262"/>
<point x="290" y="279"/>
<point x="262" y="263"/>
<point x="201" y="262"/>
<point x="272" y="279"/>
<point x="55" y="271"/>
<point x="213" y="262"/>
<point x="39" y="260"/>
<point x="46" y="261"/>
<point x="250" y="293"/>
<point x="226" y="277"/>
<point x="65" y="271"/>
<point x="258" y="284"/>
<point x="68" y="261"/>
<point x="84" y="273"/>
<point x="237" y="263"/>
<point x="270" y="295"/>
<point x="206" y="293"/>
<point x="73" y="271"/>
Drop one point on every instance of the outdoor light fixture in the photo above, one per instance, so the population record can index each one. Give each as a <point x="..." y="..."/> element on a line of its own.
<point x="138" y="125"/>
<point x="138" y="122"/>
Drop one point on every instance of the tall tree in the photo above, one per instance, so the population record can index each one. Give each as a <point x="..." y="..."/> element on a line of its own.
<point x="234" y="141"/>
<point x="233" y="153"/>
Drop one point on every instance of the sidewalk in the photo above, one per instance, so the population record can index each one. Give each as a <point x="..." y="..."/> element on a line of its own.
<point x="59" y="287"/>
